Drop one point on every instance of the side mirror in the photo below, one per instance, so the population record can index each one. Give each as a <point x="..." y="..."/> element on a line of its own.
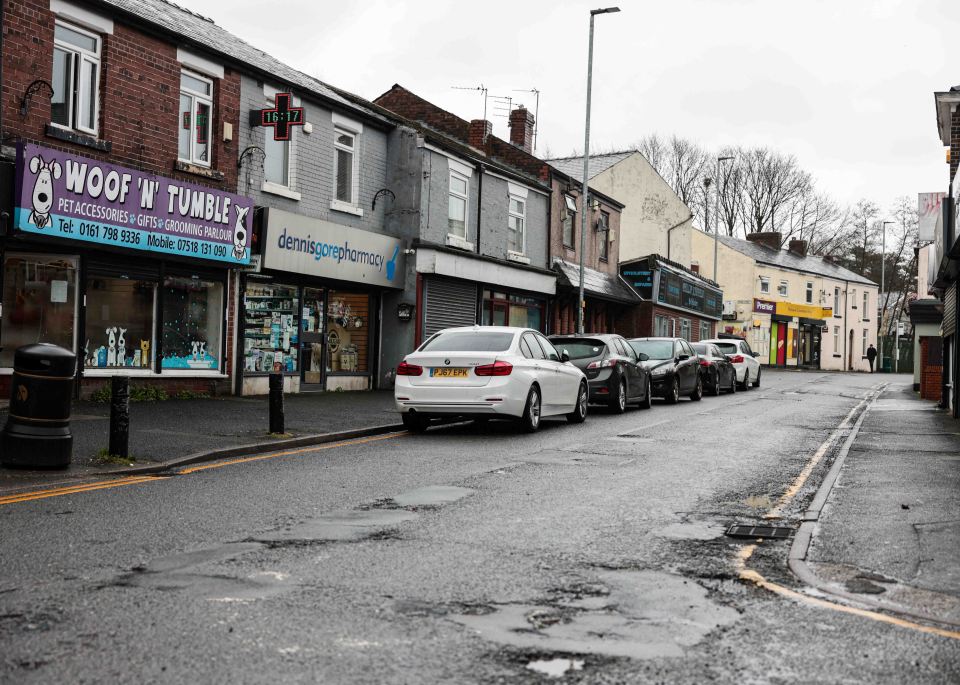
<point x="756" y="354"/>
<point x="564" y="356"/>
<point x="683" y="357"/>
<point x="644" y="357"/>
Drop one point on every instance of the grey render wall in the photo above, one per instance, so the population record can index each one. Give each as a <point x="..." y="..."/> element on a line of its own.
<point x="312" y="163"/>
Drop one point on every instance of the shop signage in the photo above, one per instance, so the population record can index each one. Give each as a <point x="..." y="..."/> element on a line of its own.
<point x="281" y="117"/>
<point x="314" y="247"/>
<point x="928" y="211"/>
<point x="686" y="292"/>
<point x="63" y="195"/>
<point x="808" y="311"/>
<point x="640" y="276"/>
<point x="764" y="306"/>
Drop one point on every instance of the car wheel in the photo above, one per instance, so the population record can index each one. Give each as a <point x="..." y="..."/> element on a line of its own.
<point x="715" y="390"/>
<point x="756" y="383"/>
<point x="415" y="423"/>
<point x="733" y="383"/>
<point x="647" y="397"/>
<point x="530" y="421"/>
<point x="579" y="415"/>
<point x="697" y="393"/>
<point x="674" y="395"/>
<point x="746" y="380"/>
<point x="618" y="404"/>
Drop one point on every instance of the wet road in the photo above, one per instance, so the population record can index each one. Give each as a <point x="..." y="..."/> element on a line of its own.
<point x="468" y="554"/>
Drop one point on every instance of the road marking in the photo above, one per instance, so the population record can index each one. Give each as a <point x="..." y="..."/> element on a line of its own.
<point x="31" y="495"/>
<point x="752" y="576"/>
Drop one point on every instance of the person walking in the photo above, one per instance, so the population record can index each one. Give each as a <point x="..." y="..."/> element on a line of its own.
<point x="871" y="356"/>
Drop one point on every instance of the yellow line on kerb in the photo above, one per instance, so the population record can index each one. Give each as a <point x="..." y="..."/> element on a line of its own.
<point x="76" y="489"/>
<point x="752" y="576"/>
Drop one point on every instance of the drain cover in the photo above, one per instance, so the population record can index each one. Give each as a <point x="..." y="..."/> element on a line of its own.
<point x="766" y="532"/>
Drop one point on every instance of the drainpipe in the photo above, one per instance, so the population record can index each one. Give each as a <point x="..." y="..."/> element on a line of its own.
<point x="847" y="362"/>
<point x="670" y="230"/>
<point x="480" y="168"/>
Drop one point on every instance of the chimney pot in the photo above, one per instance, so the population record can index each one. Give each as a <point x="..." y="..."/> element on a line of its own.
<point x="521" y="129"/>
<point x="798" y="247"/>
<point x="480" y="129"/>
<point x="771" y="239"/>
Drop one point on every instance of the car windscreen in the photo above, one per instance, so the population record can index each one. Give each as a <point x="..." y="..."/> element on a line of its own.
<point x="654" y="349"/>
<point x="727" y="348"/>
<point x="579" y="348"/>
<point x="701" y="349"/>
<point x="469" y="341"/>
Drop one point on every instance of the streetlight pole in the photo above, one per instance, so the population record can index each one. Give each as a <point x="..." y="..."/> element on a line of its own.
<point x="585" y="194"/>
<point x="883" y="268"/>
<point x="706" y="220"/>
<point x="716" y="228"/>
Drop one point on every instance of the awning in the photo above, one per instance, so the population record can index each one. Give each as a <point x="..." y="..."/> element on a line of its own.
<point x="820" y="323"/>
<point x="595" y="283"/>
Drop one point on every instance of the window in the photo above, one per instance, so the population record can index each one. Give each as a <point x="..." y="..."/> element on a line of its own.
<point x="457" y="216"/>
<point x="76" y="79"/>
<point x="119" y="316"/>
<point x="809" y="292"/>
<point x="661" y="326"/>
<point x="276" y="163"/>
<point x="548" y="348"/>
<point x="783" y="289"/>
<point x="516" y="238"/>
<point x="535" y="349"/>
<point x="192" y="312"/>
<point x="866" y="306"/>
<point x="348" y="332"/>
<point x="836" y="339"/>
<point x="866" y="332"/>
<point x="764" y="284"/>
<point x="271" y="328"/>
<point x="685" y="329"/>
<point x="345" y="165"/>
<point x="510" y="309"/>
<point x="836" y="301"/>
<point x="603" y="227"/>
<point x="196" y="119"/>
<point x="704" y="330"/>
<point x="569" y="217"/>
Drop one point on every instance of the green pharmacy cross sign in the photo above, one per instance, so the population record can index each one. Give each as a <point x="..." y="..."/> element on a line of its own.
<point x="281" y="117"/>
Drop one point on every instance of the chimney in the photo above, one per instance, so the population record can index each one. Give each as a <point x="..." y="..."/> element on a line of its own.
<point x="798" y="247"/>
<point x="479" y="130"/>
<point x="771" y="239"/>
<point x="695" y="267"/>
<point x="521" y="129"/>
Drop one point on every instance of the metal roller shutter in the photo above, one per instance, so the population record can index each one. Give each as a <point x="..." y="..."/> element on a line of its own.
<point x="448" y="304"/>
<point x="949" y="311"/>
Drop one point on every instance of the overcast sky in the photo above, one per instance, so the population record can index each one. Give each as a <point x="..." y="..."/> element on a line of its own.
<point x="845" y="85"/>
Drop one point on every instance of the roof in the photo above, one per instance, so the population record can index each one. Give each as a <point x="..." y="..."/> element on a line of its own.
<point x="198" y="30"/>
<point x="596" y="283"/>
<point x="573" y="166"/>
<point x="789" y="260"/>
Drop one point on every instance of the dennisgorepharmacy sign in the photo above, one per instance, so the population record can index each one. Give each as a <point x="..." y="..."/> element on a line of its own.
<point x="64" y="195"/>
<point x="315" y="247"/>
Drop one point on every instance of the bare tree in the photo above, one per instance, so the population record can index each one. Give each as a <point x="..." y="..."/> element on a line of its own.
<point x="730" y="196"/>
<point x="772" y="182"/>
<point x="654" y="151"/>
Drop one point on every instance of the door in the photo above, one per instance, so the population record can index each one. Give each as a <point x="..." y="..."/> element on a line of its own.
<point x="774" y="327"/>
<point x="782" y="344"/>
<point x="566" y="377"/>
<point x="687" y="369"/>
<point x="631" y="368"/>
<point x="312" y="347"/>
<point x="544" y="371"/>
<point x="850" y="352"/>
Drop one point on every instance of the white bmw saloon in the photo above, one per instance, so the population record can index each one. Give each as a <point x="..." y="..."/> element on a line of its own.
<point x="488" y="372"/>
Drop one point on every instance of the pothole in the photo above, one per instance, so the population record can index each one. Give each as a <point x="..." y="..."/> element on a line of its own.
<point x="344" y="526"/>
<point x="555" y="668"/>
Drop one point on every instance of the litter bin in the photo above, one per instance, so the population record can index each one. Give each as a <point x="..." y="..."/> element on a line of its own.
<point x="887" y="365"/>
<point x="37" y="434"/>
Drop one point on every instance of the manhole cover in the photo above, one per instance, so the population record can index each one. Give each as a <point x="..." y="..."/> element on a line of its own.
<point x="766" y="532"/>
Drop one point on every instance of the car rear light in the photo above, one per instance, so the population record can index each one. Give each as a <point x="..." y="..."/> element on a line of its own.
<point x="498" y="368"/>
<point x="601" y="364"/>
<point x="705" y="362"/>
<point x="736" y="359"/>
<point x="406" y="369"/>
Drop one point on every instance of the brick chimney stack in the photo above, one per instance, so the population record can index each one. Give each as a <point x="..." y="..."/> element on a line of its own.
<point x="521" y="129"/>
<point x="798" y="247"/>
<point x="771" y="239"/>
<point x="479" y="130"/>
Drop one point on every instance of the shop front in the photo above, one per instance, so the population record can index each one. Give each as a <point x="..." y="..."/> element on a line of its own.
<point x="311" y="309"/>
<point x="131" y="271"/>
<point x="791" y="332"/>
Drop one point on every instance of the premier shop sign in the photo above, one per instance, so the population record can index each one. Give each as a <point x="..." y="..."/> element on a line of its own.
<point x="314" y="247"/>
<point x="64" y="195"/>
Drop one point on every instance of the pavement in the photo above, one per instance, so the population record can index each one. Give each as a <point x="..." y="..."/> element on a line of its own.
<point x="171" y="432"/>
<point x="888" y="534"/>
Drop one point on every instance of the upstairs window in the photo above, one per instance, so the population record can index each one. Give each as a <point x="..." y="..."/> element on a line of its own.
<point x="569" y="217"/>
<point x="809" y="292"/>
<point x="783" y="289"/>
<point x="836" y="301"/>
<point x="764" y="285"/>
<point x="76" y="79"/>
<point x="344" y="165"/>
<point x="457" y="215"/>
<point x="276" y="162"/>
<point x="516" y="233"/>
<point x="196" y="119"/>
<point x="866" y="306"/>
<point x="603" y="228"/>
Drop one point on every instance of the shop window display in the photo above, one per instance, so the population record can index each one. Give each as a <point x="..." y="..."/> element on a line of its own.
<point x="119" y="323"/>
<point x="348" y="332"/>
<point x="270" y="338"/>
<point x="192" y="312"/>
<point x="40" y="294"/>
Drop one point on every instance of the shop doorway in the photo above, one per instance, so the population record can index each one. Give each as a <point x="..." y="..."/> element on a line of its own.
<point x="313" y="341"/>
<point x="810" y="346"/>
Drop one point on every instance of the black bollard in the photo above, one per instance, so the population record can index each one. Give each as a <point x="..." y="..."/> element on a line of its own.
<point x="120" y="416"/>
<point x="276" y="403"/>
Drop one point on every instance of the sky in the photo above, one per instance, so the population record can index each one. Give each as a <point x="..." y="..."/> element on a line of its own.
<point x="844" y="85"/>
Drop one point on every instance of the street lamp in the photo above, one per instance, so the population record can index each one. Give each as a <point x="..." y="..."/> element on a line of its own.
<point x="883" y="266"/>
<point x="585" y="201"/>
<point x="716" y="228"/>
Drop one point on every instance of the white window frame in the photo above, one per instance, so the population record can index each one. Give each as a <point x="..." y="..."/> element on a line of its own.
<point x="836" y="339"/>
<point x="764" y="285"/>
<point x="75" y="99"/>
<point x="208" y="100"/>
<point x="685" y="329"/>
<point x="704" y="326"/>
<point x="836" y="301"/>
<point x="569" y="210"/>
<point x="809" y="292"/>
<point x="866" y="333"/>
<point x="783" y="290"/>
<point x="866" y="306"/>
<point x="288" y="191"/>
<point x="520" y="243"/>
<point x="603" y="228"/>
<point x="344" y="126"/>
<point x="465" y="196"/>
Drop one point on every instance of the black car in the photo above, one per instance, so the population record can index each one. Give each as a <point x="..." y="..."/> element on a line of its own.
<point x="718" y="373"/>
<point x="615" y="373"/>
<point x="673" y="365"/>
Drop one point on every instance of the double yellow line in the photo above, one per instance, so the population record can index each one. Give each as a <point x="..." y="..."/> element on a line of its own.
<point x="32" y="495"/>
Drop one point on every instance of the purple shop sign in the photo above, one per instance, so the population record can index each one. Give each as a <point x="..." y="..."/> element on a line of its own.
<point x="64" y="195"/>
<point x="764" y="306"/>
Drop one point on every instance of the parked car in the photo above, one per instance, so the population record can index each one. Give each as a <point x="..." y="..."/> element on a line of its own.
<point x="488" y="372"/>
<point x="718" y="373"/>
<point x="744" y="360"/>
<point x="673" y="365"/>
<point x="615" y="373"/>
